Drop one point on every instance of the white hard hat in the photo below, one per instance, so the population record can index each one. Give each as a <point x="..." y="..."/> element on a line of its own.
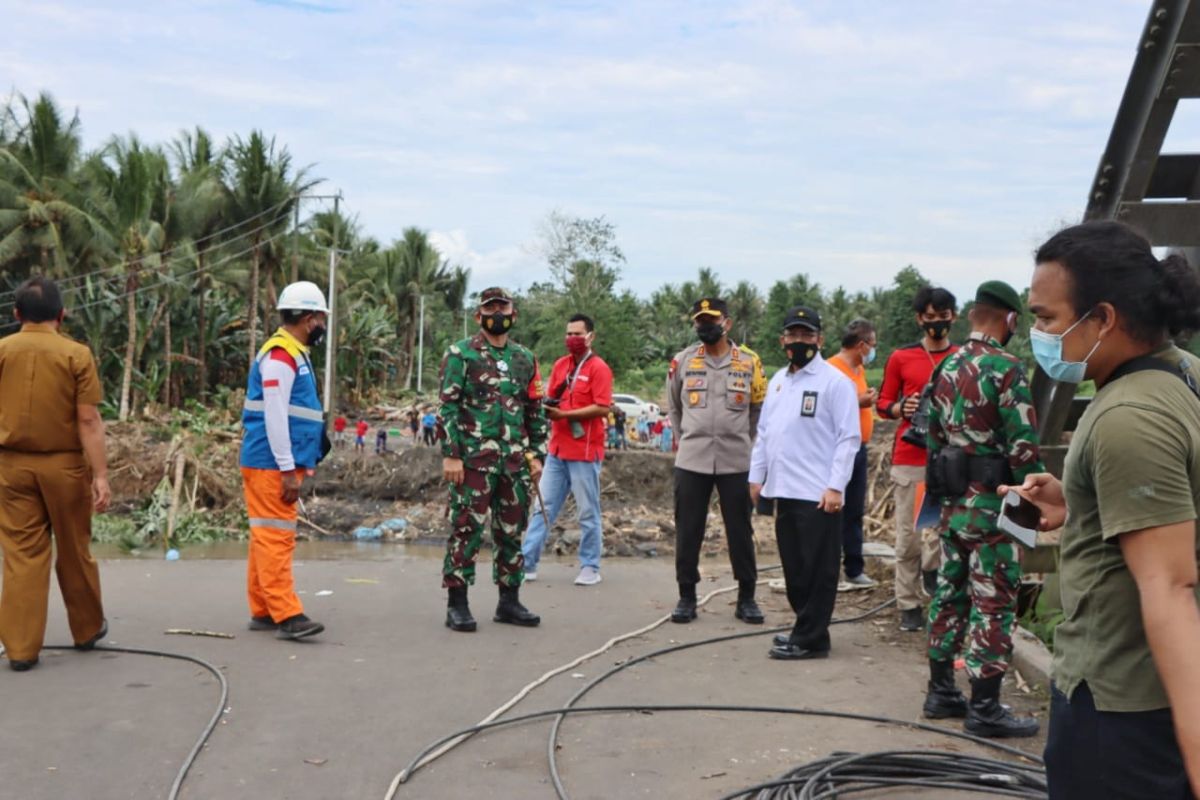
<point x="302" y="296"/>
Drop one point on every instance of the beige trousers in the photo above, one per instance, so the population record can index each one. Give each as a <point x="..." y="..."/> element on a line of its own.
<point x="915" y="550"/>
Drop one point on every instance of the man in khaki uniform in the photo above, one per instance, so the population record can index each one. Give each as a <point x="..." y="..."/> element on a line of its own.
<point x="53" y="473"/>
<point x="715" y="392"/>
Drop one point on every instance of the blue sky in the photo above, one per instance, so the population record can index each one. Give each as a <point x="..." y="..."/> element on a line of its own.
<point x="762" y="138"/>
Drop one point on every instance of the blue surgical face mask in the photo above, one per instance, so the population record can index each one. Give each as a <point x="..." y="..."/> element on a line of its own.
<point x="1047" y="349"/>
<point x="870" y="356"/>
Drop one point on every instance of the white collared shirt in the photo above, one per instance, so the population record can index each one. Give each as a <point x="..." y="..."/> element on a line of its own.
<point x="808" y="434"/>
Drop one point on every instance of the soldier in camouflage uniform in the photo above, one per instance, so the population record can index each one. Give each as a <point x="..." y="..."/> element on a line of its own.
<point x="493" y="432"/>
<point x="981" y="403"/>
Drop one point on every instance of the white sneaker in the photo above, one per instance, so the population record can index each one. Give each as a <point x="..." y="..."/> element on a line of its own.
<point x="588" y="576"/>
<point x="530" y="576"/>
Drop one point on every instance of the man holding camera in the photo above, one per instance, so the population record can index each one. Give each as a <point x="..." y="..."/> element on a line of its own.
<point x="982" y="434"/>
<point x="580" y="394"/>
<point x="904" y="379"/>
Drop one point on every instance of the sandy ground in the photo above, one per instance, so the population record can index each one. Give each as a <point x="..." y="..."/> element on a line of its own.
<point x="337" y="717"/>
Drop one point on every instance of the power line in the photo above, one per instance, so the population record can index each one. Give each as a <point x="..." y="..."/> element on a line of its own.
<point x="164" y="279"/>
<point x="73" y="278"/>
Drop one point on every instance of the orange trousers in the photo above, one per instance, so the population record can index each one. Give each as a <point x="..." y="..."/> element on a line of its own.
<point x="45" y="494"/>
<point x="270" y="587"/>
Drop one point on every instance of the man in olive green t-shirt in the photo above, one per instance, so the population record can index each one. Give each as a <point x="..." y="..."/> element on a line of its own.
<point x="1125" y="703"/>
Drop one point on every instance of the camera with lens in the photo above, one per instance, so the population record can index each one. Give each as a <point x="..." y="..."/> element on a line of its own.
<point x="919" y="421"/>
<point x="552" y="402"/>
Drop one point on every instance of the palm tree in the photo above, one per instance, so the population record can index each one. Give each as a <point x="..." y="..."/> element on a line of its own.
<point x="44" y="221"/>
<point x="201" y="208"/>
<point x="420" y="273"/>
<point x="263" y="192"/>
<point x="131" y="178"/>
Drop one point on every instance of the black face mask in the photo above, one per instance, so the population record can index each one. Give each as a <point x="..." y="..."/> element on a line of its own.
<point x="800" y="354"/>
<point x="710" y="332"/>
<point x="496" y="323"/>
<point x="316" y="336"/>
<point x="937" y="330"/>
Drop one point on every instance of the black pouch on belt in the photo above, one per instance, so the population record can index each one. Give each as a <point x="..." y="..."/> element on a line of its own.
<point x="946" y="473"/>
<point x="991" y="471"/>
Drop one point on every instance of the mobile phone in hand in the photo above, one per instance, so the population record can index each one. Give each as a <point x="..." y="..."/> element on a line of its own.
<point x="1019" y="518"/>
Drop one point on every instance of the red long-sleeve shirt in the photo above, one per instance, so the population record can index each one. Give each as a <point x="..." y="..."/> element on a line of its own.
<point x="907" y="371"/>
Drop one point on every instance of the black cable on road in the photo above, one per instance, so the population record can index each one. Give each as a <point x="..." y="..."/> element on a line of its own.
<point x="212" y="723"/>
<point x="650" y="708"/>
<point x="849" y="773"/>
<point x="552" y="745"/>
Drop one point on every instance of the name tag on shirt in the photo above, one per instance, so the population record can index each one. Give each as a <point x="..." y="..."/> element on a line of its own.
<point x="808" y="404"/>
<point x="302" y="369"/>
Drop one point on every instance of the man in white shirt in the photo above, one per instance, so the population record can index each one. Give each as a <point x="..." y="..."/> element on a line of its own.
<point x="808" y="435"/>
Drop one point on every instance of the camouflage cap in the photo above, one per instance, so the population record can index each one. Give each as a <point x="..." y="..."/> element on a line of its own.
<point x="494" y="293"/>
<point x="998" y="293"/>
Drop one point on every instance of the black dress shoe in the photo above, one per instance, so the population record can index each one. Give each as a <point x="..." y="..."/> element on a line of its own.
<point x="794" y="652"/>
<point x="261" y="624"/>
<point x="90" y="644"/>
<point x="22" y="666"/>
<point x="748" y="611"/>
<point x="781" y="639"/>
<point x="685" y="610"/>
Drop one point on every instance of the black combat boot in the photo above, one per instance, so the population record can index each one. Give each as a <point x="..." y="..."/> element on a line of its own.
<point x="929" y="581"/>
<point x="747" y="610"/>
<point x="685" y="610"/>
<point x="943" y="699"/>
<point x="510" y="610"/>
<point x="987" y="717"/>
<point x="458" y="613"/>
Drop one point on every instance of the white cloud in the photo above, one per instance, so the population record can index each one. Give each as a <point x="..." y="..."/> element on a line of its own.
<point x="511" y="266"/>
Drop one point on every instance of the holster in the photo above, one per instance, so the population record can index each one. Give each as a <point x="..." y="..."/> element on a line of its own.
<point x="950" y="472"/>
<point x="946" y="472"/>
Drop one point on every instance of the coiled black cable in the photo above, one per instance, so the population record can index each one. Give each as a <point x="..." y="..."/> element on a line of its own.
<point x="850" y="773"/>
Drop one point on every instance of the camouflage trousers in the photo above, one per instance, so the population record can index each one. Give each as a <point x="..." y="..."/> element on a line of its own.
<point x="506" y="496"/>
<point x="976" y="600"/>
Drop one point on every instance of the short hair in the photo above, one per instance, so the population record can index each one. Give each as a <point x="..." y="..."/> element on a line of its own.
<point x="856" y="333"/>
<point x="38" y="300"/>
<point x="941" y="299"/>
<point x="585" y="319"/>
<point x="293" y="316"/>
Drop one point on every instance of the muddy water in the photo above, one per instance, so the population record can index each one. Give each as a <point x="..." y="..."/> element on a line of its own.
<point x="305" y="551"/>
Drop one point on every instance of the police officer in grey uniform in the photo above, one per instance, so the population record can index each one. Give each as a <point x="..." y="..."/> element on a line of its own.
<point x="715" y="391"/>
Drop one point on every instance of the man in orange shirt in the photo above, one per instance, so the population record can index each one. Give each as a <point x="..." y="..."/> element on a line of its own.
<point x="858" y="350"/>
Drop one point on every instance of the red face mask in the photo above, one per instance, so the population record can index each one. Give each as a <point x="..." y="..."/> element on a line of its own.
<point x="577" y="345"/>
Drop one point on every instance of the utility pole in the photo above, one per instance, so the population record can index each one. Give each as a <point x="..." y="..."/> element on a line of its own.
<point x="331" y="333"/>
<point x="421" y="344"/>
<point x="296" y="243"/>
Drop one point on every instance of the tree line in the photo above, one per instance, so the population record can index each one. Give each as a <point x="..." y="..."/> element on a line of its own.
<point x="171" y="256"/>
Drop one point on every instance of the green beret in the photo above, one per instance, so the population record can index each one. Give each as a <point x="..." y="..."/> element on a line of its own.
<point x="998" y="293"/>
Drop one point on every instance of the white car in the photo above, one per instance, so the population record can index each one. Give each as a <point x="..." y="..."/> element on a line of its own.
<point x="634" y="406"/>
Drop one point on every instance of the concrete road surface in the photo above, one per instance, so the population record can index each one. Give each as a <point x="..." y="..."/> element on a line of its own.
<point x="338" y="716"/>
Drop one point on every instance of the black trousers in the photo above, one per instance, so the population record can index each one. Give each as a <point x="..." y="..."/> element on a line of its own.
<point x="693" y="491"/>
<point x="809" y="548"/>
<point x="1115" y="755"/>
<point x="852" y="516"/>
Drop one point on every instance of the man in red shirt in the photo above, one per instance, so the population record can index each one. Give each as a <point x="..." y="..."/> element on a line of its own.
<point x="580" y="393"/>
<point x="339" y="430"/>
<point x="907" y="372"/>
<point x="360" y="436"/>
